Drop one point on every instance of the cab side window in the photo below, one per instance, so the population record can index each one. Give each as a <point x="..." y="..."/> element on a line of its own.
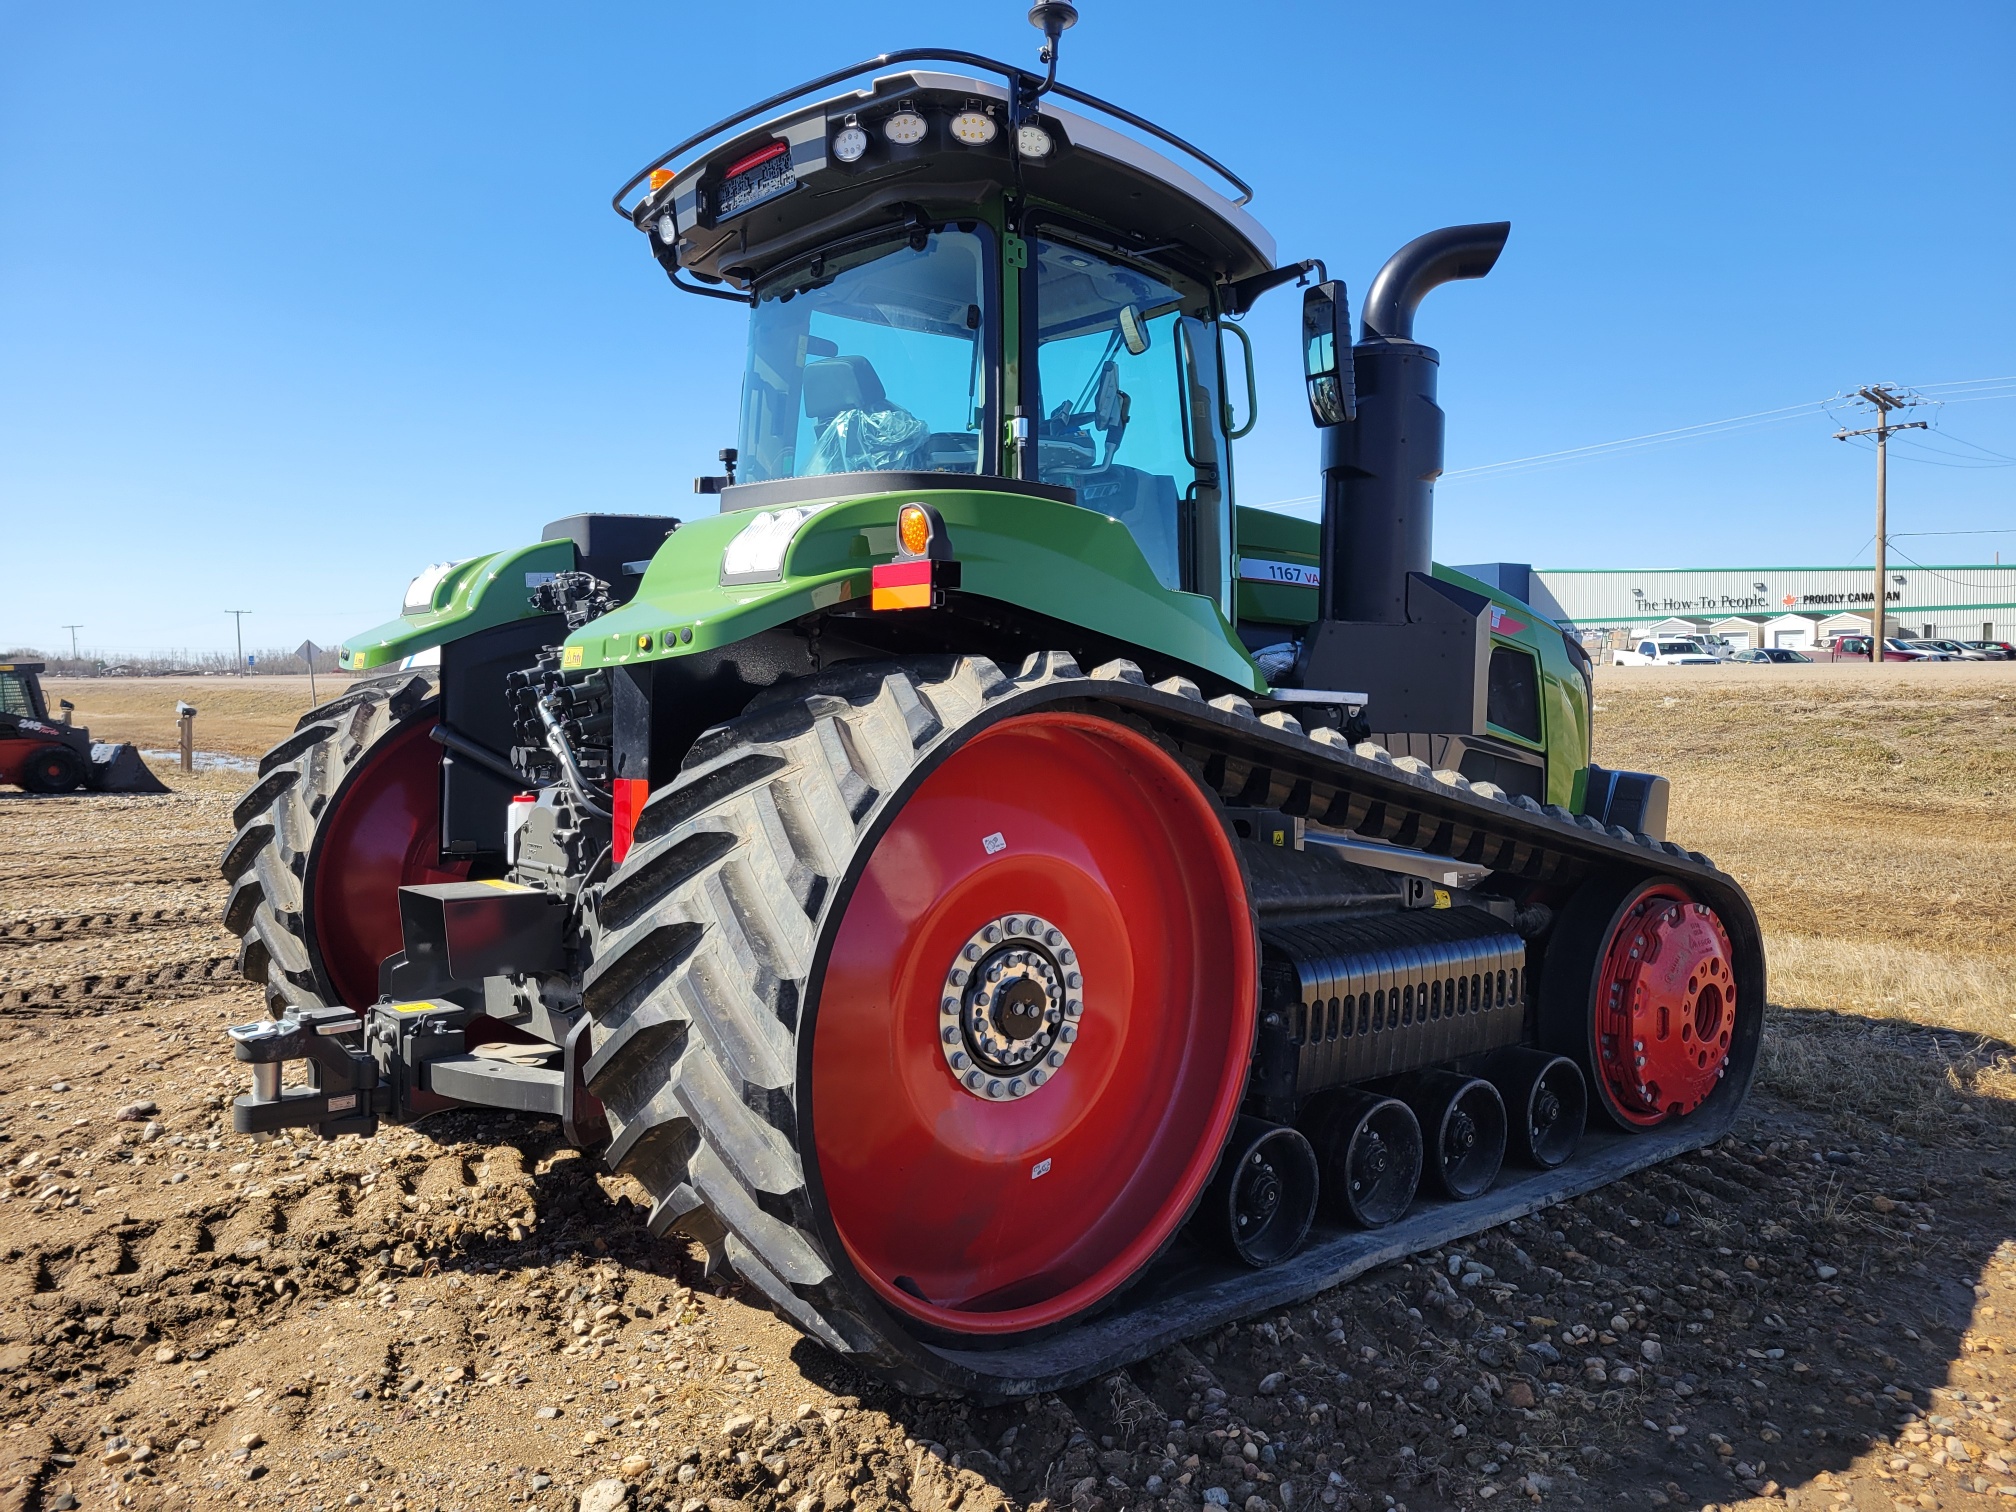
<point x="14" y="695"/>
<point x="1129" y="384"/>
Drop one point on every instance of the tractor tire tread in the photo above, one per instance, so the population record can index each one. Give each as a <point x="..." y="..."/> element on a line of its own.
<point x="695" y="1049"/>
<point x="275" y="823"/>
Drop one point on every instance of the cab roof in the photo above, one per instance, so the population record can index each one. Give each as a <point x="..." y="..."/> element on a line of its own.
<point x="788" y="191"/>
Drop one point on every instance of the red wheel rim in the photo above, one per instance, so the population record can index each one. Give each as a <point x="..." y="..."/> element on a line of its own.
<point x="383" y="834"/>
<point x="1665" y="1007"/>
<point x="995" y="1217"/>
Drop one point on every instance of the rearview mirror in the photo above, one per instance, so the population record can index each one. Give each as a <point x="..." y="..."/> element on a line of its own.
<point x="1326" y="353"/>
<point x="1133" y="334"/>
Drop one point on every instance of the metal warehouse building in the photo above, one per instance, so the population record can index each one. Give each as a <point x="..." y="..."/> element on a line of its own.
<point x="1768" y="606"/>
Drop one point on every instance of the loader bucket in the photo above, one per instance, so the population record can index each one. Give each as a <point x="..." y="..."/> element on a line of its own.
<point x="119" y="769"/>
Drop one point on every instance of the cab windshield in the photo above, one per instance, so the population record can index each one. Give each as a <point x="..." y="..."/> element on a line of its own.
<point x="872" y="358"/>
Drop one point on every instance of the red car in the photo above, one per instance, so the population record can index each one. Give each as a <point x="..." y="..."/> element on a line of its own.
<point x="1856" y="648"/>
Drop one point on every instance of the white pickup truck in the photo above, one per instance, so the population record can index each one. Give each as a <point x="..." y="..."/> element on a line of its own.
<point x="1671" y="651"/>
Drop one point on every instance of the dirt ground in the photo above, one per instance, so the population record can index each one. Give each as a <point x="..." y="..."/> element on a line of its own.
<point x="466" y="1314"/>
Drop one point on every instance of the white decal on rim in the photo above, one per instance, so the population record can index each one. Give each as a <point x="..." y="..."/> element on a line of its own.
<point x="994" y="844"/>
<point x="1041" y="1168"/>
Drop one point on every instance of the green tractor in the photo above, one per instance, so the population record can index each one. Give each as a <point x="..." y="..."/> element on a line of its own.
<point x="1011" y="905"/>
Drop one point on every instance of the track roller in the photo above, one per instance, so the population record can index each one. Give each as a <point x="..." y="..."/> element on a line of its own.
<point x="1546" y="1104"/>
<point x="1369" y="1151"/>
<point x="1262" y="1199"/>
<point x="1463" y="1127"/>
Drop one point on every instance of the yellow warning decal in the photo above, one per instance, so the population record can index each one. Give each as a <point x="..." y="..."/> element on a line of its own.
<point x="502" y="886"/>
<point x="571" y="657"/>
<point x="1442" y="897"/>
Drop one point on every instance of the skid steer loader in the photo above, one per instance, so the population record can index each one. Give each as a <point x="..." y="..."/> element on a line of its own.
<point x="47" y="755"/>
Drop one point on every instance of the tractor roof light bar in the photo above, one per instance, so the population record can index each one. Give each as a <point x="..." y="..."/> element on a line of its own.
<point x="1025" y="87"/>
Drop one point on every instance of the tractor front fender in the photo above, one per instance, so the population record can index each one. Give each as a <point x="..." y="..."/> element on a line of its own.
<point x="478" y="594"/>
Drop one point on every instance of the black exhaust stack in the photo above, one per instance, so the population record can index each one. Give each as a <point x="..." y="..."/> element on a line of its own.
<point x="1419" y="649"/>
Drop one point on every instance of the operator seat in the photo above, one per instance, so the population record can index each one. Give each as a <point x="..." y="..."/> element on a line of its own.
<point x="834" y="385"/>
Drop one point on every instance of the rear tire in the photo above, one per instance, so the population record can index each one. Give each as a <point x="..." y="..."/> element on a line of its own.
<point x="345" y="811"/>
<point x="843" y="810"/>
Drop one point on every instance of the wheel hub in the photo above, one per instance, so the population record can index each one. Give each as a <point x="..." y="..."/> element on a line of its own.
<point x="1666" y="1008"/>
<point x="1010" y="1008"/>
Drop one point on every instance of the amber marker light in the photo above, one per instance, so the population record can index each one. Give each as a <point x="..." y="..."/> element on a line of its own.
<point x="660" y="177"/>
<point x="913" y="529"/>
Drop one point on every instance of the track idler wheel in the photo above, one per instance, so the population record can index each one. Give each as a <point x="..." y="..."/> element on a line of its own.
<point x="1262" y="1199"/>
<point x="1645" y="987"/>
<point x="1368" y="1149"/>
<point x="1546" y="1104"/>
<point x="1463" y="1129"/>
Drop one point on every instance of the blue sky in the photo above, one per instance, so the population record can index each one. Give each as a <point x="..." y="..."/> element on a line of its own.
<point x="294" y="300"/>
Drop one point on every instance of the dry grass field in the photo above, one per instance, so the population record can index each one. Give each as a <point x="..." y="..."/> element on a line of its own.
<point x="466" y="1314"/>
<point x="1871" y="814"/>
<point x="235" y="716"/>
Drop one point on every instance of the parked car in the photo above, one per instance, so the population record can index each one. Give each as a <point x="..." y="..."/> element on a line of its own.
<point x="1856" y="648"/>
<point x="1914" y="650"/>
<point x="1766" y="655"/>
<point x="1994" y="650"/>
<point x="1682" y="651"/>
<point x="1958" y="650"/>
<point x="1944" y="650"/>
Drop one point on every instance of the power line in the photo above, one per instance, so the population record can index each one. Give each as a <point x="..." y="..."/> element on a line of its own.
<point x="1882" y="398"/>
<point x="240" y="621"/>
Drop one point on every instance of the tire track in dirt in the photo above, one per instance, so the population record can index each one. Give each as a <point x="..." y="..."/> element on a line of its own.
<point x="106" y="992"/>
<point x="61" y="928"/>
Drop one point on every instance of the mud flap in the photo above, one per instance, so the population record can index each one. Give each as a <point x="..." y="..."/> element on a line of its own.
<point x="119" y="769"/>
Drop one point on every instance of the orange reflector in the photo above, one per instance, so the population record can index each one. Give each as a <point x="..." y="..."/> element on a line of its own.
<point x="913" y="529"/>
<point x="660" y="177"/>
<point x="901" y="585"/>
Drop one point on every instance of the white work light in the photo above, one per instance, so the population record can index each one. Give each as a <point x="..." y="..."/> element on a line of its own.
<point x="757" y="552"/>
<point x="850" y="142"/>
<point x="975" y="128"/>
<point x="904" y="128"/>
<point x="1033" y="142"/>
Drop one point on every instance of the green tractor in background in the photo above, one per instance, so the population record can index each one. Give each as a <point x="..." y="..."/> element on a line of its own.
<point x="1011" y="905"/>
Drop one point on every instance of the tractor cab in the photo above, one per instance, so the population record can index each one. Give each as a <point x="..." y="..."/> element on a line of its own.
<point x="939" y="288"/>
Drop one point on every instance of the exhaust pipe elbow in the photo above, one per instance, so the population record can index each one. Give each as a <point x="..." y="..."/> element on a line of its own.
<point x="1426" y="263"/>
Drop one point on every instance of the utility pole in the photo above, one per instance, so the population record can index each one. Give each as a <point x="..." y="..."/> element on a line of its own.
<point x="73" y="629"/>
<point x="241" y="613"/>
<point x="1883" y="398"/>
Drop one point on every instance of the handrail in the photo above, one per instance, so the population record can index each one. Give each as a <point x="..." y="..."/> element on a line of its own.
<point x="1023" y="84"/>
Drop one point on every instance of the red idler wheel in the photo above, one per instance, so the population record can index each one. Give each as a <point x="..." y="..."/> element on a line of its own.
<point x="1034" y="1027"/>
<point x="383" y="832"/>
<point x="1665" y="1008"/>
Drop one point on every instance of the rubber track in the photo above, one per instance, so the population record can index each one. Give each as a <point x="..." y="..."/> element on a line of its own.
<point x="710" y="936"/>
<point x="275" y="829"/>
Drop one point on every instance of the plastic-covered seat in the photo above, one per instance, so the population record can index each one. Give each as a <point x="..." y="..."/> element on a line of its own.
<point x="834" y="385"/>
